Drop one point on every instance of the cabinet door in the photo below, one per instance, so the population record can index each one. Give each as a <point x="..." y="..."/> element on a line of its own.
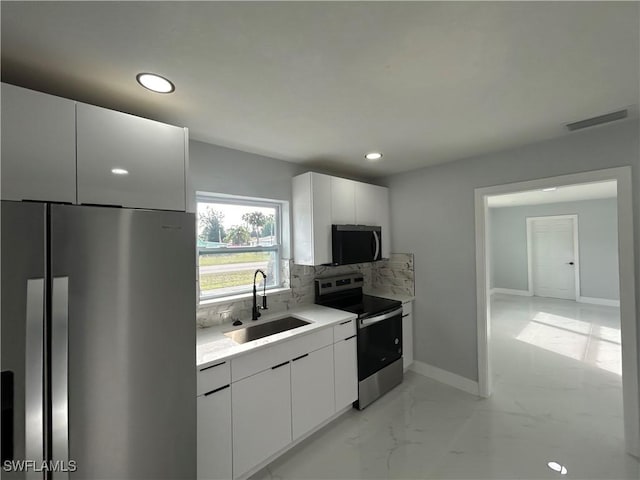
<point x="261" y="417"/>
<point x="407" y="334"/>
<point x="38" y="146"/>
<point x="311" y="194"/>
<point x="367" y="204"/>
<point x="385" y="219"/>
<point x="312" y="390"/>
<point x="346" y="372"/>
<point x="372" y="208"/>
<point x="214" y="435"/>
<point x="343" y="203"/>
<point x="152" y="154"/>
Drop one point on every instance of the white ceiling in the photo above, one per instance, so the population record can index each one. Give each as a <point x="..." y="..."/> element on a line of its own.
<point x="567" y="193"/>
<point x="322" y="83"/>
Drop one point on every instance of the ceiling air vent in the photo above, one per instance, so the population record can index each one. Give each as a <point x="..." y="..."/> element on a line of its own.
<point x="599" y="120"/>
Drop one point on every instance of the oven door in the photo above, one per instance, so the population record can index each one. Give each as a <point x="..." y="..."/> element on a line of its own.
<point x="379" y="342"/>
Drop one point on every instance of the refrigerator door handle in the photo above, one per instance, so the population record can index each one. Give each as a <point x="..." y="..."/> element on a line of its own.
<point x="60" y="372"/>
<point x="34" y="403"/>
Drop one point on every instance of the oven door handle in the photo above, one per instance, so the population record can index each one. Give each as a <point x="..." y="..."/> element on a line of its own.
<point x="365" y="322"/>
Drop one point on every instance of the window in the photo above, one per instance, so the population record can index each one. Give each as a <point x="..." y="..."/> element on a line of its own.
<point x="236" y="236"/>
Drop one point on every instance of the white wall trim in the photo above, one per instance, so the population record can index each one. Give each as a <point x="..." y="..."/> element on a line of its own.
<point x="626" y="269"/>
<point x="599" y="301"/>
<point x="525" y="293"/>
<point x="443" y="376"/>
<point x="576" y="249"/>
<point x="512" y="291"/>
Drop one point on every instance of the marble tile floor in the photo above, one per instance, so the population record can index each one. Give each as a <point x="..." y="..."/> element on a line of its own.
<point x="557" y="397"/>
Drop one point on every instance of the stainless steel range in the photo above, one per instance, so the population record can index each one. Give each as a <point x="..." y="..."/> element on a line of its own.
<point x="379" y="333"/>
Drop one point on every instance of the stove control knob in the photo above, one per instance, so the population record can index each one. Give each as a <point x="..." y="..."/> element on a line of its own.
<point x="397" y="341"/>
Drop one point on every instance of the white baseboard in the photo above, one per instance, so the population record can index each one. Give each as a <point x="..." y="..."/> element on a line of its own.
<point x="448" y="378"/>
<point x="511" y="291"/>
<point x="599" y="301"/>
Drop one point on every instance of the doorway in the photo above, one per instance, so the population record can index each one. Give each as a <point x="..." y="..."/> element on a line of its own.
<point x="626" y="269"/>
<point x="552" y="256"/>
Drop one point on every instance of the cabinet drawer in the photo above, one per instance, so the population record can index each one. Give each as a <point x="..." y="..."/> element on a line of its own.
<point x="212" y="377"/>
<point x="252" y="363"/>
<point x="344" y="330"/>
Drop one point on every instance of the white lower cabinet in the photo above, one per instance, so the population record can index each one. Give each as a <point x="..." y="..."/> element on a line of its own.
<point x="407" y="334"/>
<point x="261" y="417"/>
<point x="312" y="390"/>
<point x="268" y="408"/>
<point x="346" y="372"/>
<point x="214" y="435"/>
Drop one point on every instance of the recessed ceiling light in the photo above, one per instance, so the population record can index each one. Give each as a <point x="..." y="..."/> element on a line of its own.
<point x="155" y="83"/>
<point x="119" y="171"/>
<point x="551" y="189"/>
<point x="373" y="156"/>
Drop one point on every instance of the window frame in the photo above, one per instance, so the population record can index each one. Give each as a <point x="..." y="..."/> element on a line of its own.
<point x="279" y="248"/>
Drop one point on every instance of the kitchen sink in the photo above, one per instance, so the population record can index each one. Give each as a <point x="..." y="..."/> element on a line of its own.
<point x="254" y="332"/>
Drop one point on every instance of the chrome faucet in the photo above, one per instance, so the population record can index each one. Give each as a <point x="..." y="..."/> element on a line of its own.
<point x="255" y="312"/>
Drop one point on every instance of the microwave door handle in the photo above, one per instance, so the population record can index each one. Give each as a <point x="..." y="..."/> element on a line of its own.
<point x="373" y="245"/>
<point x="377" y="250"/>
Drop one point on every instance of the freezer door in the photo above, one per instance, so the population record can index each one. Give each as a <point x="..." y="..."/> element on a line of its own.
<point x="23" y="287"/>
<point x="123" y="342"/>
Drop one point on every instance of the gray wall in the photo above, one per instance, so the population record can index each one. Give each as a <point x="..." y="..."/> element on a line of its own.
<point x="223" y="170"/>
<point x="432" y="215"/>
<point x="598" y="244"/>
<point x="217" y="169"/>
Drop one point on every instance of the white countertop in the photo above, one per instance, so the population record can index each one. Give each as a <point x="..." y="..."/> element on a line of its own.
<point x="212" y="345"/>
<point x="401" y="297"/>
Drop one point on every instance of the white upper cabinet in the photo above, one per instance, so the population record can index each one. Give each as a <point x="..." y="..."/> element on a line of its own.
<point x="372" y="208"/>
<point x="151" y="153"/>
<point x="311" y="194"/>
<point x="368" y="201"/>
<point x="38" y="146"/>
<point x="343" y="201"/>
<point x="321" y="200"/>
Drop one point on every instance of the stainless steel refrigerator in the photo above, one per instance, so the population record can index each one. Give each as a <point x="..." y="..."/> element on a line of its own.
<point x="98" y="342"/>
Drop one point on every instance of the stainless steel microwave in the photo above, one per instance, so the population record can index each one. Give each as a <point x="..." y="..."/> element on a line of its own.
<point x="356" y="244"/>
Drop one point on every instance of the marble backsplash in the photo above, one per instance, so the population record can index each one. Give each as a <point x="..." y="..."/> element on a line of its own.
<point x="395" y="275"/>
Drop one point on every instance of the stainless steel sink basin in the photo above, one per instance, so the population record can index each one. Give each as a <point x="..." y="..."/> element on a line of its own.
<point x="254" y="332"/>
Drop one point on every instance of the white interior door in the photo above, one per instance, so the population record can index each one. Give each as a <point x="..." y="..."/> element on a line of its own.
<point x="553" y="257"/>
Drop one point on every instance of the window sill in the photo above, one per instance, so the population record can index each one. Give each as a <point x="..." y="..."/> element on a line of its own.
<point x="237" y="298"/>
